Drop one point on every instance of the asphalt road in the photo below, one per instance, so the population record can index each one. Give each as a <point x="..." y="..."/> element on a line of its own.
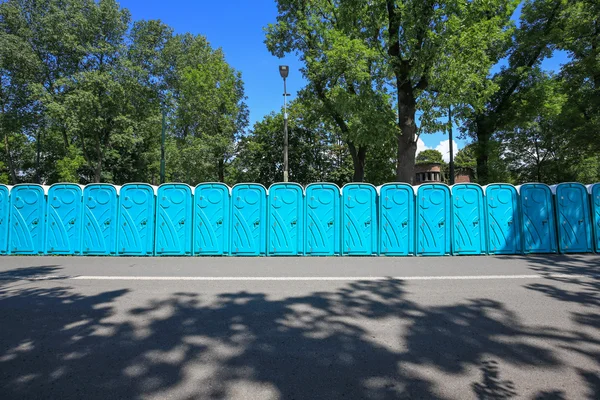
<point x="300" y="328"/>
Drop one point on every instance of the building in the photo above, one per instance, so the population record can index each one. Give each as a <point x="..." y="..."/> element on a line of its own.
<point x="432" y="173"/>
<point x="428" y="173"/>
<point x="463" y="175"/>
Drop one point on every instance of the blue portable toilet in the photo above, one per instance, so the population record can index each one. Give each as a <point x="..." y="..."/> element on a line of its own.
<point x="503" y="219"/>
<point x="174" y="222"/>
<point x="27" y="219"/>
<point x="99" y="219"/>
<point x="212" y="213"/>
<point x="573" y="218"/>
<point x="396" y="219"/>
<point x="359" y="219"/>
<point x="286" y="219"/>
<point x="249" y="219"/>
<point x="468" y="219"/>
<point x="135" y="235"/>
<point x="64" y="219"/>
<point x="594" y="191"/>
<point x="322" y="219"/>
<point x="4" y="210"/>
<point x="433" y="219"/>
<point x="539" y="228"/>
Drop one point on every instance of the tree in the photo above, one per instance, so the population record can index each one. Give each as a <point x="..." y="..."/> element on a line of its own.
<point x="465" y="158"/>
<point x="580" y="38"/>
<point x="206" y="106"/>
<point x="398" y="57"/>
<point x="83" y="90"/>
<point x="540" y="145"/>
<point x="523" y="52"/>
<point x="430" y="156"/>
<point x="315" y="154"/>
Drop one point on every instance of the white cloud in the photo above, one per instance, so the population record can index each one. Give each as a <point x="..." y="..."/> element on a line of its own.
<point x="421" y="146"/>
<point x="444" y="148"/>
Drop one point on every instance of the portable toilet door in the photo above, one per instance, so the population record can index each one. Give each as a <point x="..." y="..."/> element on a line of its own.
<point x="322" y="219"/>
<point x="503" y="219"/>
<point x="468" y="219"/>
<point x="4" y="210"/>
<point x="433" y="220"/>
<point x="539" y="231"/>
<point x="135" y="236"/>
<point x="594" y="191"/>
<point x="174" y="220"/>
<point x="359" y="219"/>
<point x="573" y="218"/>
<point x="27" y="219"/>
<point x="99" y="219"/>
<point x="212" y="212"/>
<point x="64" y="219"/>
<point x="286" y="214"/>
<point x="249" y="219"/>
<point x="397" y="219"/>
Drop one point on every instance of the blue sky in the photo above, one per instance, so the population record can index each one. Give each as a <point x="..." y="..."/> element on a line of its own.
<point x="237" y="27"/>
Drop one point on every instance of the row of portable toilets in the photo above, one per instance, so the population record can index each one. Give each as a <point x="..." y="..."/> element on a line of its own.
<point x="212" y="219"/>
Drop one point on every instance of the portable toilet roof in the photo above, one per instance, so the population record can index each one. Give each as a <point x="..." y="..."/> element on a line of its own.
<point x="485" y="187"/>
<point x="286" y="183"/>
<point x="211" y="183"/>
<point x="590" y="187"/>
<point x="414" y="188"/>
<point x="518" y="187"/>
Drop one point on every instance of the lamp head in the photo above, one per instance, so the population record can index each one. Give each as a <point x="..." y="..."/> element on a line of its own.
<point x="284" y="71"/>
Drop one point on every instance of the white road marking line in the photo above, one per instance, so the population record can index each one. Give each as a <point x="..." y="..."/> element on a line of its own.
<point x="288" y="278"/>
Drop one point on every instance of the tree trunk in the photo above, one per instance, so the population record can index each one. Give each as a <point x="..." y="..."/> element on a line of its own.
<point x="358" y="161"/>
<point x="11" y="166"/>
<point x="482" y="153"/>
<point x="407" y="146"/>
<point x="221" y="171"/>
<point x="405" y="165"/>
<point x="98" y="172"/>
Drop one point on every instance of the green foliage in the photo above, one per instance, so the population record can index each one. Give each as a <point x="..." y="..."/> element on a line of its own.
<point x="372" y="65"/>
<point x="520" y="54"/>
<point x="465" y="158"/>
<point x="314" y="154"/>
<point x="430" y="156"/>
<point x="83" y="88"/>
<point x="68" y="167"/>
<point x="580" y="38"/>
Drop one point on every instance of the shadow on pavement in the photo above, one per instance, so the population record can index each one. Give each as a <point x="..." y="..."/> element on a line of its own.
<point x="56" y="343"/>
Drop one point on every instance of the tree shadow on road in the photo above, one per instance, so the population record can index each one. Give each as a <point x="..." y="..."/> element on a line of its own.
<point x="59" y="343"/>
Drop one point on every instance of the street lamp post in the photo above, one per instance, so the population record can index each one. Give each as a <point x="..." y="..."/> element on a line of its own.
<point x="284" y="71"/>
<point x="451" y="145"/>
<point x="162" y="149"/>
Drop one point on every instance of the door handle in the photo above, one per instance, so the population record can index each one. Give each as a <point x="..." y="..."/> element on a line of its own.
<point x="404" y="223"/>
<point x="293" y="223"/>
<point x="330" y="224"/>
<point x="367" y="223"/>
<point x="256" y="223"/>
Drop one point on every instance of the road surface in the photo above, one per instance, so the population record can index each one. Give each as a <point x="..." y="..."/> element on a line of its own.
<point x="300" y="328"/>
